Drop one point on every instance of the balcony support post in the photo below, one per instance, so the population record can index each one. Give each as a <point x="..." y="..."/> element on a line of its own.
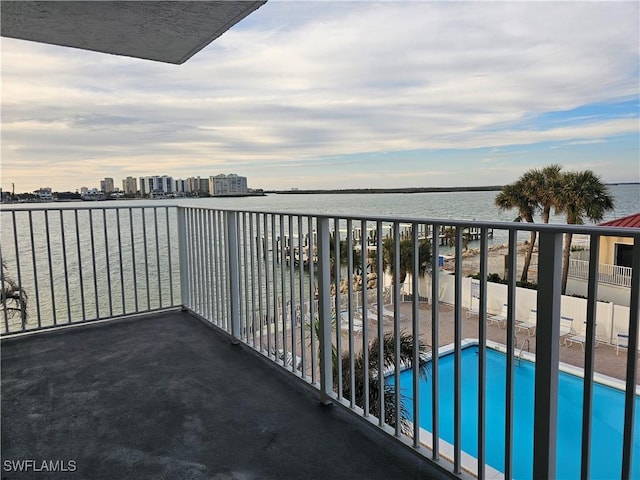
<point x="547" y="355"/>
<point x="234" y="277"/>
<point x="184" y="265"/>
<point x="324" y="311"/>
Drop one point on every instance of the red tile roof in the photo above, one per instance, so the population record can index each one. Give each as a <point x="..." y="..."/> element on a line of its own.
<point x="630" y="221"/>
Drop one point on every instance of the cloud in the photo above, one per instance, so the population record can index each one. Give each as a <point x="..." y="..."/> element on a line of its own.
<point x="296" y="84"/>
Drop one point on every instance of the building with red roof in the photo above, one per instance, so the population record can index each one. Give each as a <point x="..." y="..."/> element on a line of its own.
<point x="618" y="250"/>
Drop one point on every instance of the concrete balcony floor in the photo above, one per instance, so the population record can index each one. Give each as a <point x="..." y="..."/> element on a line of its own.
<point x="165" y="396"/>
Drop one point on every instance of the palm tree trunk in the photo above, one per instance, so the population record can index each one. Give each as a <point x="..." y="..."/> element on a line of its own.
<point x="565" y="261"/>
<point x="527" y="258"/>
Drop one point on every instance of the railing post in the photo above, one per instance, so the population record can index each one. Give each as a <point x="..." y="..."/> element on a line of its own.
<point x="547" y="355"/>
<point x="184" y="264"/>
<point x="324" y="311"/>
<point x="233" y="281"/>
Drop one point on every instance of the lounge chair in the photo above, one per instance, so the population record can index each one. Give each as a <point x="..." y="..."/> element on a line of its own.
<point x="622" y="341"/>
<point x="566" y="329"/>
<point x="529" y="325"/>
<point x="500" y="319"/>
<point x="581" y="339"/>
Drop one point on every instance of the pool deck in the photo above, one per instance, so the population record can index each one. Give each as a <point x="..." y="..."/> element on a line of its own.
<point x="606" y="360"/>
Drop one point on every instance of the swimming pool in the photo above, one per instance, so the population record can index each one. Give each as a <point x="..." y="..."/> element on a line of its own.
<point x="607" y="424"/>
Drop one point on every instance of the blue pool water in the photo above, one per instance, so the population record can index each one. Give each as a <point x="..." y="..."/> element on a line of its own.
<point x="607" y="426"/>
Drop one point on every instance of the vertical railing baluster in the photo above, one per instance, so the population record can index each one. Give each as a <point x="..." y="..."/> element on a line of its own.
<point x="211" y="270"/>
<point x="292" y="294"/>
<point x="283" y="290"/>
<point x="632" y="364"/>
<point x="119" y="231"/>
<point x="303" y="360"/>
<point x="23" y="312"/>
<point x="35" y="270"/>
<point x="547" y="355"/>
<point x="84" y="315"/>
<point x="65" y="264"/>
<point x="159" y="270"/>
<point x="233" y="281"/>
<point x="435" y="341"/>
<point x="4" y="297"/>
<point x="336" y="306"/>
<point x="252" y="254"/>
<point x="312" y="299"/>
<point x="415" y="316"/>
<point x="223" y="270"/>
<point x="457" y="355"/>
<point x="93" y="263"/>
<point x="50" y="262"/>
<point x="182" y="256"/>
<point x="133" y="261"/>
<point x="170" y="257"/>
<point x="260" y="253"/>
<point x="512" y="259"/>
<point x="215" y="279"/>
<point x="245" y="273"/>
<point x="195" y="258"/>
<point x="379" y="319"/>
<point x="482" y="352"/>
<point x="352" y="362"/>
<point x="396" y="324"/>
<point x="106" y="250"/>
<point x="275" y="255"/>
<point x="267" y="297"/>
<point x="365" y="319"/>
<point x="324" y="307"/>
<point x="589" y="360"/>
<point x="146" y="257"/>
<point x="202" y="263"/>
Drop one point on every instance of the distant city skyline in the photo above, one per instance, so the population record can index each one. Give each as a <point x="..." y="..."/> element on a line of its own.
<point x="324" y="95"/>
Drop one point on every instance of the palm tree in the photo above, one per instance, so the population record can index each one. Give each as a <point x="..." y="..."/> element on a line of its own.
<point x="516" y="196"/>
<point x="582" y="195"/>
<point x="388" y="364"/>
<point x="535" y="190"/>
<point x="542" y="186"/>
<point x="13" y="298"/>
<point x="406" y="256"/>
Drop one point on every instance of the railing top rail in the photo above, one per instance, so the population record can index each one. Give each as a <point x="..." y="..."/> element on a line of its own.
<point x="523" y="226"/>
<point x="75" y="206"/>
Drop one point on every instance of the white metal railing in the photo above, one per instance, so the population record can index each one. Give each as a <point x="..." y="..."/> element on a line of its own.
<point x="291" y="287"/>
<point x="73" y="265"/>
<point x="611" y="274"/>
<point x="297" y="289"/>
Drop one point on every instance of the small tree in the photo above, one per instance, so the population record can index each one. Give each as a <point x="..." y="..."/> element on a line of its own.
<point x="406" y="257"/>
<point x="13" y="298"/>
<point x="388" y="364"/>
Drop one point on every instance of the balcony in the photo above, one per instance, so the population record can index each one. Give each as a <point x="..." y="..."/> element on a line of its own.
<point x="114" y="367"/>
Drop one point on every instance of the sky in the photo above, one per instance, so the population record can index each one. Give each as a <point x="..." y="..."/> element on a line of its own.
<point x="337" y="94"/>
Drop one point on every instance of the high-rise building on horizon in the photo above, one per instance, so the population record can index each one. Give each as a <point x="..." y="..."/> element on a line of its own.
<point x="107" y="185"/>
<point x="198" y="185"/>
<point x="230" y="184"/>
<point x="130" y="186"/>
<point x="156" y="185"/>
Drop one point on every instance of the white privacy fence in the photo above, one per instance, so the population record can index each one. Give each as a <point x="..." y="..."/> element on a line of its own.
<point x="611" y="319"/>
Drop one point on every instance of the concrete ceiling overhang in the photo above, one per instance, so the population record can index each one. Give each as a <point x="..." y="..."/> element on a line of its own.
<point x="164" y="31"/>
